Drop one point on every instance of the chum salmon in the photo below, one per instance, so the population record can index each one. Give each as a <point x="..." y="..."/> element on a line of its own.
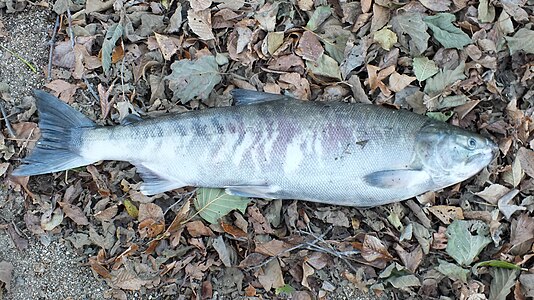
<point x="270" y="146"/>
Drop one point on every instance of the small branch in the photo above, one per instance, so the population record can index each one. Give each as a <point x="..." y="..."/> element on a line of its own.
<point x="51" y="43"/>
<point x="303" y="245"/>
<point x="71" y="32"/>
<point x="8" y="124"/>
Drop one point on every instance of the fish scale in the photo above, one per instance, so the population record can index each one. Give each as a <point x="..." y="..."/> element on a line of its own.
<point x="279" y="147"/>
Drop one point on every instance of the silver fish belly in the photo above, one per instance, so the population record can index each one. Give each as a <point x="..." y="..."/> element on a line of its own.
<point x="272" y="147"/>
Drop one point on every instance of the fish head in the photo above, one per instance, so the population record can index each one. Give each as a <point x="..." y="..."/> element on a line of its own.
<point x="451" y="154"/>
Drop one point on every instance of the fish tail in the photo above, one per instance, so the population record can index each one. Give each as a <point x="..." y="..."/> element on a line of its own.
<point x="58" y="147"/>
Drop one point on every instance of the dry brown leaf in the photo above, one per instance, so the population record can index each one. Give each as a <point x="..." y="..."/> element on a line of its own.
<point x="373" y="250"/>
<point x="318" y="260"/>
<point x="493" y="193"/>
<point x="272" y="248"/>
<point x="107" y="214"/>
<point x="62" y="89"/>
<point x="410" y="260"/>
<point x="376" y="75"/>
<point x="271" y="275"/>
<point x="286" y="62"/>
<point x="522" y="229"/>
<point x="259" y="223"/>
<point x="300" y="87"/>
<point x="439" y="241"/>
<point x="74" y="213"/>
<point x="309" y="46"/>
<point x="252" y="260"/>
<point x="436" y="5"/>
<point x="200" y="24"/>
<point x="233" y="230"/>
<point x="266" y="15"/>
<point x="446" y="213"/>
<point x="198" y="5"/>
<point x="250" y="291"/>
<point x="307" y="271"/>
<point x="166" y="45"/>
<point x="197" y="228"/>
<point x="397" y="82"/>
<point x="222" y="249"/>
<point x="526" y="159"/>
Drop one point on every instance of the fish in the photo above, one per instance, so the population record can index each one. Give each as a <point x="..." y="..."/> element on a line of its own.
<point x="270" y="146"/>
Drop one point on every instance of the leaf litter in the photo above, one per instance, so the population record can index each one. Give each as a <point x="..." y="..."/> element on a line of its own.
<point x="462" y="63"/>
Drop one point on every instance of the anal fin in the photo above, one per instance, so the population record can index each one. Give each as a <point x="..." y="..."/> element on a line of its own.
<point x="154" y="183"/>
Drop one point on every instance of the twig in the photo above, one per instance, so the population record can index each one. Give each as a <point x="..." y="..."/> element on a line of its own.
<point x="34" y="70"/>
<point x="182" y="196"/>
<point x="8" y="124"/>
<point x="51" y="43"/>
<point x="303" y="245"/>
<point x="71" y="32"/>
<point x="90" y="88"/>
<point x="331" y="250"/>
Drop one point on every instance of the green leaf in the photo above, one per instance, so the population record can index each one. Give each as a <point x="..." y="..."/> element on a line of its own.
<point x="486" y="11"/>
<point x="452" y="101"/>
<point x="503" y="280"/>
<point x="446" y="33"/>
<point x="286" y="289"/>
<point x="325" y="66"/>
<point x="131" y="209"/>
<point x="212" y="204"/>
<point x="424" y="68"/>
<point x="412" y="24"/>
<point x="497" y="264"/>
<point x="190" y="79"/>
<point x="405" y="281"/>
<point x="523" y="39"/>
<point x="440" y="81"/>
<point x="320" y="14"/>
<point x="335" y="40"/>
<point x="462" y="245"/>
<point x="385" y="38"/>
<point x="452" y="270"/>
<point x="112" y="36"/>
<point x="440" y="116"/>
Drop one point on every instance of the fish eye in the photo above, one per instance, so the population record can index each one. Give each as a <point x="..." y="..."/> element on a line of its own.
<point x="471" y="143"/>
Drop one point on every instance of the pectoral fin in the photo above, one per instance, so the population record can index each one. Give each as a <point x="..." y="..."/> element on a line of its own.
<point x="254" y="191"/>
<point x="396" y="179"/>
<point x="154" y="183"/>
<point x="130" y="119"/>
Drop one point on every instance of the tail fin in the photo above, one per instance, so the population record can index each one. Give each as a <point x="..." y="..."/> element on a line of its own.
<point x="58" y="147"/>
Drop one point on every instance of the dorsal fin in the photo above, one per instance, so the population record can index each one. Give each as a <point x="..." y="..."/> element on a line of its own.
<point x="130" y="119"/>
<point x="247" y="97"/>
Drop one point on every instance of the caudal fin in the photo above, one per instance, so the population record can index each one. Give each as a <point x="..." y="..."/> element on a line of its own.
<point x="57" y="149"/>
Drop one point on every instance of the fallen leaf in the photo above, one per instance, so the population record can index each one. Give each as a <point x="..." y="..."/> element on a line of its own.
<point x="307" y="271"/>
<point x="272" y="248"/>
<point x="463" y="245"/>
<point x="113" y="34"/>
<point x="385" y="38"/>
<point x="271" y="276"/>
<point x="522" y="229"/>
<point x="436" y="5"/>
<point x="309" y="47"/>
<point x="412" y="24"/>
<point x="74" y="213"/>
<point x="452" y="271"/>
<point x="222" y="250"/>
<point x="191" y="79"/>
<point x="266" y="16"/>
<point x="212" y="204"/>
<point x="200" y="23"/>
<point x="320" y="14"/>
<point x="493" y="193"/>
<point x="398" y="82"/>
<point x="445" y="32"/>
<point x="325" y="66"/>
<point x="6" y="269"/>
<point x="523" y="40"/>
<point x="197" y="229"/>
<point x="503" y="280"/>
<point x="526" y="159"/>
<point x="424" y="68"/>
<point x="447" y="213"/>
<point x="166" y="45"/>
<point x="374" y="250"/>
